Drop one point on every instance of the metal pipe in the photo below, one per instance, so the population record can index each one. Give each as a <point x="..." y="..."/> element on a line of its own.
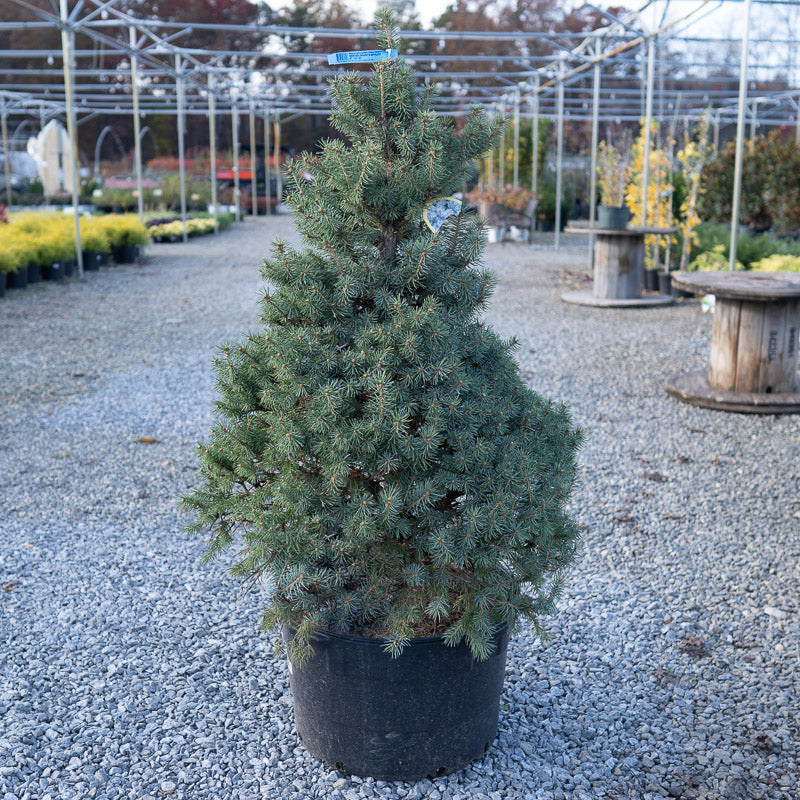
<point x="648" y="117"/>
<point x="212" y="150"/>
<point x="559" y="151"/>
<point x="797" y="123"/>
<point x="516" y="139"/>
<point x="740" y="123"/>
<point x="754" y="120"/>
<point x="490" y="169"/>
<point x="235" y="146"/>
<point x="137" y="142"/>
<point x="6" y="155"/>
<point x="181" y="133"/>
<point x="253" y="182"/>
<point x="501" y="157"/>
<point x="535" y="137"/>
<point x="67" y="45"/>
<point x="267" y="176"/>
<point x="278" y="175"/>
<point x="716" y="132"/>
<point x="594" y="146"/>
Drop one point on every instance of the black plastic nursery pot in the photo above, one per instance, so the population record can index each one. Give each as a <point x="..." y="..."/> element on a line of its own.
<point x="53" y="272"/>
<point x="91" y="260"/>
<point x="613" y="217"/>
<point x="69" y="267"/>
<point x="2" y="284"/>
<point x="125" y="253"/>
<point x="34" y="273"/>
<point x="18" y="279"/>
<point x="426" y="713"/>
<point x="664" y="283"/>
<point x="651" y="280"/>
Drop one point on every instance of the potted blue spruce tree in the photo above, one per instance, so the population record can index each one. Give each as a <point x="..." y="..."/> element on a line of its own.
<point x="396" y="486"/>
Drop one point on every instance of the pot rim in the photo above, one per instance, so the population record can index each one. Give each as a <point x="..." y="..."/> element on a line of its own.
<point x="381" y="641"/>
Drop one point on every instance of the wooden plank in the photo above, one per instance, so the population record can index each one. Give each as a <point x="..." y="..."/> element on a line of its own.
<point x="724" y="344"/>
<point x="695" y="389"/>
<point x="777" y="372"/>
<point x="762" y="286"/>
<point x="751" y="350"/>
<point x="602" y="259"/>
<point x="618" y="266"/>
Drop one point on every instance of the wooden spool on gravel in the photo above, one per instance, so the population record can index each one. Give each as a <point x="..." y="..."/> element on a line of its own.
<point x="618" y="269"/>
<point x="754" y="343"/>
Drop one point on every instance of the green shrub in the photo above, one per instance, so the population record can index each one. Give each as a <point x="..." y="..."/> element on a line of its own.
<point x="770" y="185"/>
<point x="713" y="261"/>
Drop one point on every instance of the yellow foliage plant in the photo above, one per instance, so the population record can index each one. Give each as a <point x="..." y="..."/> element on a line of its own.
<point x="693" y="157"/>
<point x="659" y="189"/>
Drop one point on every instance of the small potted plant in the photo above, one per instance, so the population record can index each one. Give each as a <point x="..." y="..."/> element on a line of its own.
<point x="13" y="261"/>
<point x="126" y="234"/>
<point x="94" y="243"/>
<point x="399" y="491"/>
<point x="613" y="172"/>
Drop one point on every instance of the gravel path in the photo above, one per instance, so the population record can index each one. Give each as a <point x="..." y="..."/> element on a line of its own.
<point x="128" y="671"/>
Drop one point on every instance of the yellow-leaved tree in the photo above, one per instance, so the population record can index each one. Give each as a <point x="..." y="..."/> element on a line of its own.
<point x="695" y="155"/>
<point x="659" y="190"/>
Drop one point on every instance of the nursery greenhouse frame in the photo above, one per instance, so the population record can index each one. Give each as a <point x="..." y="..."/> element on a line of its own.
<point x="623" y="72"/>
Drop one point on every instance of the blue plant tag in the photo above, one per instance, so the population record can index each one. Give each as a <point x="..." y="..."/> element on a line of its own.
<point x="438" y="210"/>
<point x="361" y="56"/>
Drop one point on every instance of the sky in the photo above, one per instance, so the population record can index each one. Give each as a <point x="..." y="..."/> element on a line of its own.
<point x="721" y="19"/>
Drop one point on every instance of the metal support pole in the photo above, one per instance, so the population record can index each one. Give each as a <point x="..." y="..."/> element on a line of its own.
<point x="595" y="136"/>
<point x="754" y="121"/>
<point x="278" y="174"/>
<point x="740" y="123"/>
<point x="797" y="123"/>
<point x="716" y="132"/>
<point x="516" y="139"/>
<point x="67" y="48"/>
<point x="137" y="143"/>
<point x="6" y="155"/>
<point x="490" y="169"/>
<point x="648" y="117"/>
<point x="253" y="181"/>
<point x="559" y="151"/>
<point x="181" y="154"/>
<point x="235" y="143"/>
<point x="267" y="175"/>
<point x="212" y="149"/>
<point x="501" y="159"/>
<point x="535" y="138"/>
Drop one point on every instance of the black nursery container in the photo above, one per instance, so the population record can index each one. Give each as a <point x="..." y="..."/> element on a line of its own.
<point x="2" y="284"/>
<point x="18" y="279"/>
<point x="53" y="272"/>
<point x="125" y="253"/>
<point x="426" y="713"/>
<point x="91" y="260"/>
<point x="34" y="273"/>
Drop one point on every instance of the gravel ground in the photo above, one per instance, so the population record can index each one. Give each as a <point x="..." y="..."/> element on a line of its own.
<point x="128" y="671"/>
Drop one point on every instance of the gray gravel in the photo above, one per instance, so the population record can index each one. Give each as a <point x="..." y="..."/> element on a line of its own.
<point x="129" y="671"/>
